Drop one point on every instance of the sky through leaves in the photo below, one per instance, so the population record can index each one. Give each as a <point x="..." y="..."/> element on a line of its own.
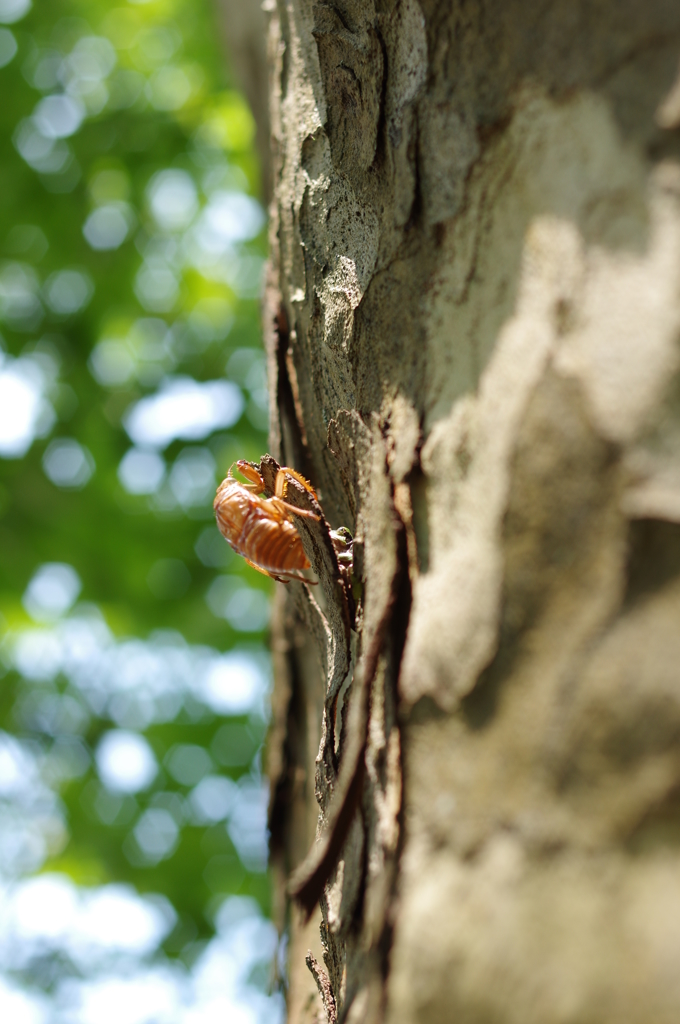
<point x="134" y="671"/>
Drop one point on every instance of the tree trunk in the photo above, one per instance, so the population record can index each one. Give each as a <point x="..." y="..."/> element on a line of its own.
<point x="473" y="313"/>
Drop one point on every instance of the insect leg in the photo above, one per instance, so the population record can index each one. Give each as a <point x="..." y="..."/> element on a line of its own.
<point x="265" y="572"/>
<point x="283" y="506"/>
<point x="282" y="577"/>
<point x="281" y="482"/>
<point x="254" y="478"/>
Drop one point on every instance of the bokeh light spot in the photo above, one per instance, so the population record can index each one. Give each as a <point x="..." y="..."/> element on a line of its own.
<point x="8" y="46"/>
<point x="173" y="199"/>
<point x="141" y="472"/>
<point x="183" y="408"/>
<point x="192" y="478"/>
<point x="108" y="226"/>
<point x="157" y="834"/>
<point x="234" y="683"/>
<point x="58" y="117"/>
<point x="68" y="464"/>
<point x="111" y="362"/>
<point x="24" y="411"/>
<point x="212" y="799"/>
<point x="68" y="291"/>
<point x="52" y="591"/>
<point x="244" y="608"/>
<point x="156" y="286"/>
<point x="188" y="763"/>
<point x="20" y="306"/>
<point x="125" y="761"/>
<point x="13" y="10"/>
<point x="169" y="88"/>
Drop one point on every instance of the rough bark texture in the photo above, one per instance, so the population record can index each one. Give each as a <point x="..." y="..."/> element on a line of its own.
<point x="473" y="315"/>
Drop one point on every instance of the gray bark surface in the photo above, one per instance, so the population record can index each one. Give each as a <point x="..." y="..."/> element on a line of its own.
<point x="473" y="313"/>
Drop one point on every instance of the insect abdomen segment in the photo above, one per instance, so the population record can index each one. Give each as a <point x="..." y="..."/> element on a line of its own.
<point x="275" y="546"/>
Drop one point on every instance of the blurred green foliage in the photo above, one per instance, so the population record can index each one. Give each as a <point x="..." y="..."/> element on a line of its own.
<point x="157" y="292"/>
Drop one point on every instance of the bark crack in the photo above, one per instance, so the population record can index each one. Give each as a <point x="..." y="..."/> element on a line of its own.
<point x="323" y="984"/>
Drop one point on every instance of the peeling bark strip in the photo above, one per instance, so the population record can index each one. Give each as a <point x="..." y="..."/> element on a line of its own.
<point x="324" y="986"/>
<point x="307" y="884"/>
<point x="472" y="316"/>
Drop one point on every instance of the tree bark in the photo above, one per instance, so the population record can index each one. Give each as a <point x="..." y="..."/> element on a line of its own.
<point x="472" y="313"/>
